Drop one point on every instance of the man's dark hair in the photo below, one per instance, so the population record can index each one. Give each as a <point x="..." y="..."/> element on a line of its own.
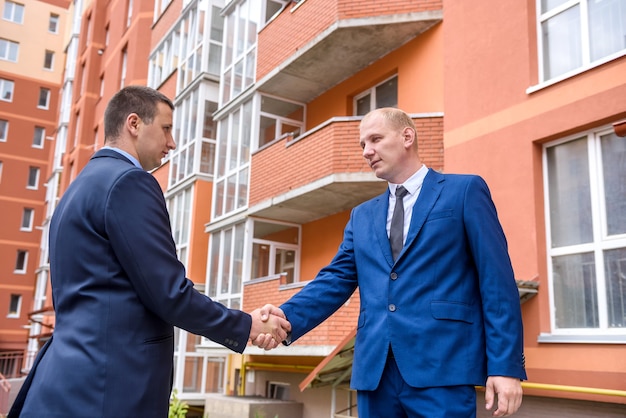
<point x="131" y="99"/>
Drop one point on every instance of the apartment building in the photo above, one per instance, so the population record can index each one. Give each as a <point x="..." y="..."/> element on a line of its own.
<point x="31" y="64"/>
<point x="269" y="95"/>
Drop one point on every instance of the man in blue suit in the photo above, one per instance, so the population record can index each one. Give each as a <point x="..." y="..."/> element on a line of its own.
<point x="441" y="316"/>
<point x="117" y="286"/>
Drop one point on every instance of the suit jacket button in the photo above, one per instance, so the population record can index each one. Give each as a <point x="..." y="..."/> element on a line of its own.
<point x="394" y="276"/>
<point x="392" y="307"/>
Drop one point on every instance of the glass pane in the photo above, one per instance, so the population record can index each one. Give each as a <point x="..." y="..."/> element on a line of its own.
<point x="207" y="159"/>
<point x="547" y="5"/>
<point x="242" y="195"/>
<point x="607" y="27"/>
<point x="215" y="54"/>
<point x="387" y="94"/>
<point x="215" y="376"/>
<point x="614" y="175"/>
<point x="267" y="130"/>
<point x="615" y="274"/>
<point x="193" y="374"/>
<point x="575" y="292"/>
<point x="285" y="263"/>
<point x="225" y="282"/>
<point x="217" y="24"/>
<point x="238" y="259"/>
<point x="276" y="232"/>
<point x="214" y="264"/>
<point x="234" y="140"/>
<point x="363" y="105"/>
<point x="569" y="193"/>
<point x="246" y="134"/>
<point x="562" y="49"/>
<point x="260" y="260"/>
<point x="209" y="129"/>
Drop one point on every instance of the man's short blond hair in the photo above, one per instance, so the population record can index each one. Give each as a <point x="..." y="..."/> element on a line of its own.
<point x="397" y="118"/>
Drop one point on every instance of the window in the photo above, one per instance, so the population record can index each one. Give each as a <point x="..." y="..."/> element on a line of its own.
<point x="578" y="33"/>
<point x="6" y="90"/>
<point x="27" y="219"/>
<point x="123" y="69"/>
<point x="4" y="130"/>
<point x="159" y="8"/>
<point x="21" y="261"/>
<point x="586" y="213"/>
<point x="275" y="251"/>
<point x="15" y="305"/>
<point x="53" y="23"/>
<point x="233" y="161"/>
<point x="44" y="98"/>
<point x="384" y="94"/>
<point x="48" y="61"/>
<point x="129" y="13"/>
<point x="9" y="50"/>
<point x="179" y="207"/>
<point x="38" y="137"/>
<point x="33" y="178"/>
<point x="279" y="118"/>
<point x="225" y="270"/>
<point x="0" y="170"/>
<point x="13" y="12"/>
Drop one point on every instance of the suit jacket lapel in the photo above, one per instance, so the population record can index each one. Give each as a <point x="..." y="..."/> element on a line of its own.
<point x="379" y="219"/>
<point x="431" y="189"/>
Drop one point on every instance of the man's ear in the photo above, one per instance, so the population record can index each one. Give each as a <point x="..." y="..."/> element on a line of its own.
<point x="132" y="123"/>
<point x="409" y="137"/>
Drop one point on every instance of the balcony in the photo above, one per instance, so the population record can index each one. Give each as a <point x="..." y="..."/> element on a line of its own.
<point x="323" y="172"/>
<point x="317" y="174"/>
<point x="307" y="50"/>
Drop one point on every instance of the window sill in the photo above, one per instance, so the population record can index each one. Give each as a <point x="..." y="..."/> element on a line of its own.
<point x="582" y="339"/>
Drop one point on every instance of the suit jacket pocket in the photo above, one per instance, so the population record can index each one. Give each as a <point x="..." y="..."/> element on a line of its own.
<point x="453" y="311"/>
<point x="446" y="213"/>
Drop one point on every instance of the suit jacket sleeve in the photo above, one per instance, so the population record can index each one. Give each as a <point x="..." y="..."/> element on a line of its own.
<point x="499" y="294"/>
<point x="138" y="226"/>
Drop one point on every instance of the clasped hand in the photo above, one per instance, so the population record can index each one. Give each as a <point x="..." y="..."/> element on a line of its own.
<point x="269" y="327"/>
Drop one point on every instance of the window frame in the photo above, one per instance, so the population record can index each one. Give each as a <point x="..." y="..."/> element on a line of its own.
<point x="39" y="137"/>
<point x="600" y="243"/>
<point x="28" y="216"/>
<point x="53" y="23"/>
<point x="6" y="86"/>
<point x="11" y="51"/>
<point x="372" y="93"/>
<point x="14" y="312"/>
<point x="48" y="93"/>
<point x="4" y="133"/>
<point x="36" y="171"/>
<point x="13" y="9"/>
<point x="48" y="60"/>
<point x="21" y="262"/>
<point x="585" y="53"/>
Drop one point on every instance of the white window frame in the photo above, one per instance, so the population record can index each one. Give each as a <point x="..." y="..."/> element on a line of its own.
<point x="601" y="242"/>
<point x="12" y="12"/>
<point x="28" y="215"/>
<point x="47" y="92"/>
<point x="273" y="247"/>
<point x="587" y="62"/>
<point x="372" y="93"/>
<point x="15" y="300"/>
<point x="9" y="50"/>
<point x="180" y="206"/>
<point x="6" y="87"/>
<point x="39" y="136"/>
<point x="53" y="23"/>
<point x="4" y="133"/>
<point x="226" y="255"/>
<point x="48" y="65"/>
<point x="21" y="269"/>
<point x="36" y="171"/>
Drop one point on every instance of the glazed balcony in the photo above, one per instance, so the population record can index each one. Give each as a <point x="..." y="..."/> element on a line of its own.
<point x="323" y="172"/>
<point x="313" y="46"/>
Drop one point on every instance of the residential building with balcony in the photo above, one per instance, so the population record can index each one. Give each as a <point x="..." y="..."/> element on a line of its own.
<point x="31" y="64"/>
<point x="269" y="95"/>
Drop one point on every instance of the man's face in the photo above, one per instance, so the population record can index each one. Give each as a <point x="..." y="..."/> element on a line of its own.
<point x="155" y="140"/>
<point x="384" y="148"/>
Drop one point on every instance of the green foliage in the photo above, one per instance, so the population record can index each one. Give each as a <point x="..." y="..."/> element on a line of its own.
<point x="178" y="408"/>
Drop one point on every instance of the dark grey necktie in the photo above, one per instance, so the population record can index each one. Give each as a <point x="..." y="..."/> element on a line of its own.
<point x="396" y="231"/>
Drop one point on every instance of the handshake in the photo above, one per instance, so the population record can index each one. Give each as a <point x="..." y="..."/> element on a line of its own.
<point x="269" y="327"/>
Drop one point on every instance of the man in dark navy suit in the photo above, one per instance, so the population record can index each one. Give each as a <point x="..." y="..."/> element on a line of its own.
<point x="118" y="288"/>
<point x="438" y="315"/>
